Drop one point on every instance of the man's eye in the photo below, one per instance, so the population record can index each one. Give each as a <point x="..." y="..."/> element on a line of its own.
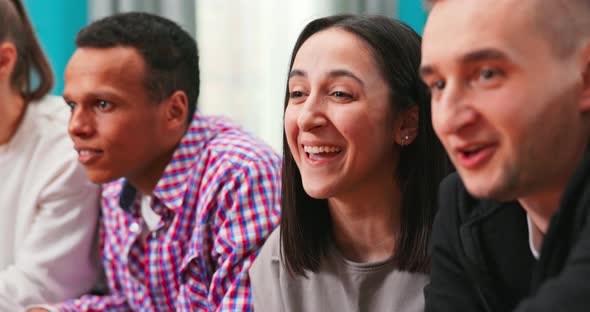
<point x="102" y="104"/>
<point x="438" y="85"/>
<point x="71" y="105"/>
<point x="489" y="77"/>
<point x="488" y="73"/>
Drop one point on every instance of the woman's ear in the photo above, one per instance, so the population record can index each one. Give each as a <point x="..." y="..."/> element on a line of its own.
<point x="176" y="110"/>
<point x="407" y="126"/>
<point x="8" y="58"/>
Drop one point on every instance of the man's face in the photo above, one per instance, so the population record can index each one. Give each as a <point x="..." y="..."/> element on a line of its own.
<point x="115" y="126"/>
<point x="504" y="105"/>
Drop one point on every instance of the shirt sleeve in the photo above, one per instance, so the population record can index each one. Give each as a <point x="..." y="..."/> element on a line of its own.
<point x="56" y="260"/>
<point x="247" y="211"/>
<point x="89" y="303"/>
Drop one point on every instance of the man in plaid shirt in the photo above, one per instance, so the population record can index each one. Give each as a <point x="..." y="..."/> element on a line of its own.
<point x="189" y="199"/>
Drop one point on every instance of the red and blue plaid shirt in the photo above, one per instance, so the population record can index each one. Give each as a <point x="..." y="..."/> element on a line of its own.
<point x="218" y="200"/>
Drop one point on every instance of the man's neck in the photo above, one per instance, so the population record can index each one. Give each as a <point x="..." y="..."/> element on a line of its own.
<point x="541" y="207"/>
<point x="12" y="109"/>
<point x="148" y="179"/>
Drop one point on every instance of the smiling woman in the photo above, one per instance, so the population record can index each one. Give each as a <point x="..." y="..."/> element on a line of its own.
<point x="48" y="208"/>
<point x="360" y="172"/>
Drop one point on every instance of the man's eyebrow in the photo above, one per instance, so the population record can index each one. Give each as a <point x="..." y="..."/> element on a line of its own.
<point x="426" y="70"/>
<point x="102" y="94"/>
<point x="483" y="54"/>
<point x="470" y="57"/>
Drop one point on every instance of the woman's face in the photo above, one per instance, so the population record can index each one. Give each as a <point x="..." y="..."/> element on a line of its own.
<point x="339" y="121"/>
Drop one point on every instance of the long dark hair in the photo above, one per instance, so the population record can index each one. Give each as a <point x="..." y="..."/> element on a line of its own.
<point x="16" y="27"/>
<point x="306" y="223"/>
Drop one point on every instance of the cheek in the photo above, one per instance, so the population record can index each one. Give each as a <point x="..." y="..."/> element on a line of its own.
<point x="364" y="129"/>
<point x="507" y="115"/>
<point x="436" y="121"/>
<point x="291" y="130"/>
<point x="126" y="134"/>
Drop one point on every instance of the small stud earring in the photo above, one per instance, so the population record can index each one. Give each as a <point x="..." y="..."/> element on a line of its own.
<point x="404" y="140"/>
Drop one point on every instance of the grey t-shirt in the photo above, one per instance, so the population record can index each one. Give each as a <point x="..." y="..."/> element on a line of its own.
<point x="340" y="285"/>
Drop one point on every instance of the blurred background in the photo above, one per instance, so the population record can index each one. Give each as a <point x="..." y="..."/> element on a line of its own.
<point x="244" y="45"/>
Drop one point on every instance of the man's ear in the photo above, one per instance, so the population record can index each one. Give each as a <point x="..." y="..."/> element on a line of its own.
<point x="8" y="57"/>
<point x="407" y="126"/>
<point x="176" y="110"/>
<point x="585" y="97"/>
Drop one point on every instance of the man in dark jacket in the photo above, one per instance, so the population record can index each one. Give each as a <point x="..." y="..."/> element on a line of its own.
<point x="510" y="83"/>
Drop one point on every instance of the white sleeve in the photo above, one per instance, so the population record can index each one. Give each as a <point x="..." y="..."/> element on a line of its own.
<point x="57" y="260"/>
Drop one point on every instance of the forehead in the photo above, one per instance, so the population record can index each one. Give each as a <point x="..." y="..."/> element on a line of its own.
<point x="335" y="47"/>
<point x="120" y="66"/>
<point x="456" y="27"/>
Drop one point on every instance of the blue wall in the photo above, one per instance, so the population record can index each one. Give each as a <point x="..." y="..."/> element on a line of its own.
<point x="412" y="12"/>
<point x="57" y="22"/>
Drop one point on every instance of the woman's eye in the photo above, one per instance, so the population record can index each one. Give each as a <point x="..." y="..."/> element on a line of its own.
<point x="295" y="94"/>
<point x="340" y="94"/>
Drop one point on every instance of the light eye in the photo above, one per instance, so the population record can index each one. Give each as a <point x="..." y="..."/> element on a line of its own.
<point x="438" y="85"/>
<point x="489" y="77"/>
<point x="102" y="104"/>
<point x="71" y="105"/>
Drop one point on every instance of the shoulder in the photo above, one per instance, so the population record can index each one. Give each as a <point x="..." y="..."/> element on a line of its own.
<point x="268" y="277"/>
<point x="229" y="157"/>
<point x="111" y="193"/>
<point x="233" y="144"/>
<point x="48" y="122"/>
<point x="51" y="114"/>
<point x="268" y="257"/>
<point x="53" y="156"/>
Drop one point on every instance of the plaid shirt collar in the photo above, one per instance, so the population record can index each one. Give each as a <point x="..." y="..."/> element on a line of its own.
<point x="172" y="186"/>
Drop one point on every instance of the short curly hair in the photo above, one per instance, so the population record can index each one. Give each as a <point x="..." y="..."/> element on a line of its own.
<point x="170" y="53"/>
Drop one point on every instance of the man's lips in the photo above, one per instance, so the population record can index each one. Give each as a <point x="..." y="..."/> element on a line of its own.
<point x="87" y="156"/>
<point x="475" y="156"/>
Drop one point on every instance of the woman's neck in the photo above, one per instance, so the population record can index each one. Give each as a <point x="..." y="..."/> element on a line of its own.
<point x="12" y="109"/>
<point x="366" y="226"/>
